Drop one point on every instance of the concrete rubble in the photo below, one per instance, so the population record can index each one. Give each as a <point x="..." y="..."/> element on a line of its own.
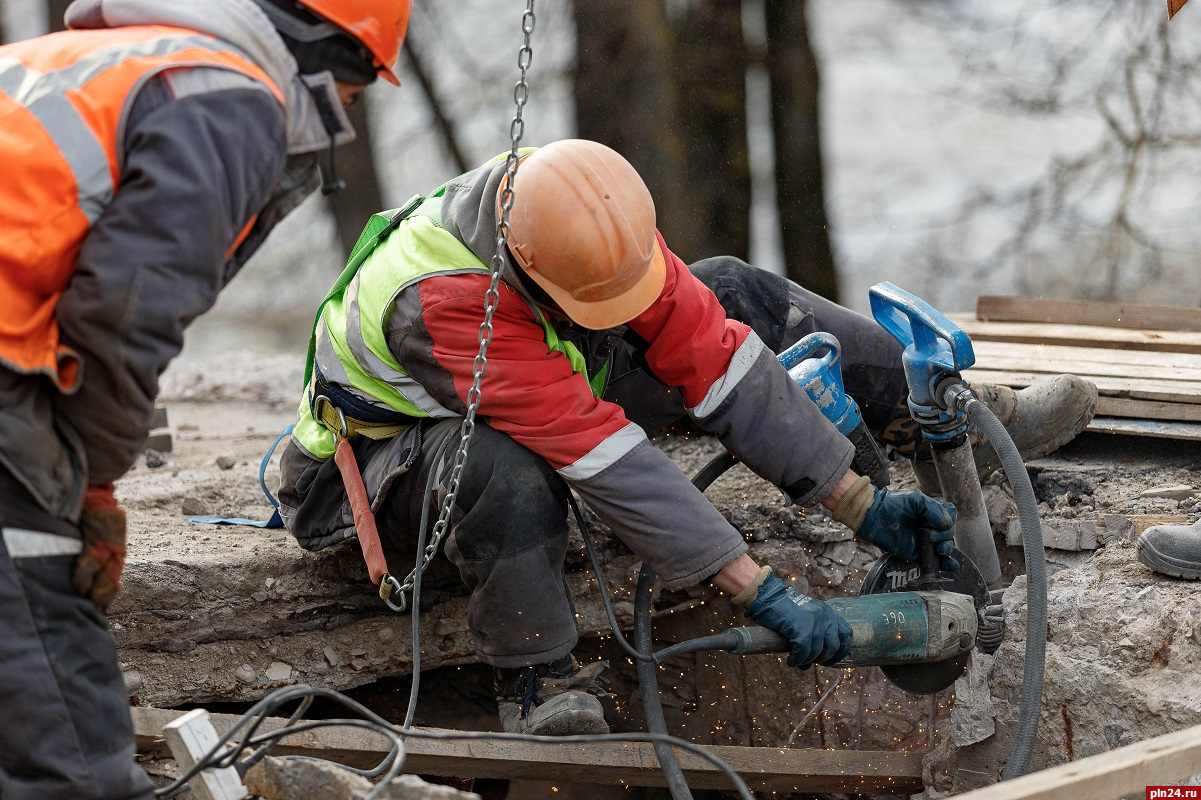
<point x="309" y="779"/>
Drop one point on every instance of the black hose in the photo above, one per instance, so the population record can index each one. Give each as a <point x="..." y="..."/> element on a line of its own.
<point x="641" y="652"/>
<point x="961" y="397"/>
<point x="648" y="682"/>
<point x="418" y="571"/>
<point x="716" y="467"/>
<point x="726" y="640"/>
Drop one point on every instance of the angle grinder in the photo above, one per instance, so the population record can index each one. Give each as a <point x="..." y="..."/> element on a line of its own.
<point x="916" y="622"/>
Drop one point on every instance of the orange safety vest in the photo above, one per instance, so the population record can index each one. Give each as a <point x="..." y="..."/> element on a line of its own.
<point x="64" y="99"/>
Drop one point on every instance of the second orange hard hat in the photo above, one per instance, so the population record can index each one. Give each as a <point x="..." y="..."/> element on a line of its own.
<point x="379" y="25"/>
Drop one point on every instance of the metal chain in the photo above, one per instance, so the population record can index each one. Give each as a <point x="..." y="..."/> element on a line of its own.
<point x="521" y="93"/>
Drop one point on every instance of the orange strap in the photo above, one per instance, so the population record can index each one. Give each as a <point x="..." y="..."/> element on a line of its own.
<point x="360" y="506"/>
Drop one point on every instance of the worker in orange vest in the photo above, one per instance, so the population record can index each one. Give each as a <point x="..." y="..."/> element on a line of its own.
<point x="148" y="151"/>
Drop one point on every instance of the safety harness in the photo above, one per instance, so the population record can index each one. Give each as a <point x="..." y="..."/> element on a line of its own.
<point x="345" y="415"/>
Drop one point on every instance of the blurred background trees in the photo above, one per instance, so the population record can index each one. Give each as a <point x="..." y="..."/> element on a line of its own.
<point x="955" y="147"/>
<point x="665" y="84"/>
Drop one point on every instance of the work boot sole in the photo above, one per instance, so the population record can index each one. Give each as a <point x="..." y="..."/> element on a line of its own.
<point x="567" y="714"/>
<point x="1164" y="564"/>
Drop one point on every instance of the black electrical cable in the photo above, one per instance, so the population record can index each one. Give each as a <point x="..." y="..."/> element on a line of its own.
<point x="219" y="757"/>
<point x="418" y="571"/>
<point x="648" y="682"/>
<point x="633" y="653"/>
<point x="369" y="720"/>
<point x="259" y="754"/>
<point x="717" y="466"/>
<point x="648" y="661"/>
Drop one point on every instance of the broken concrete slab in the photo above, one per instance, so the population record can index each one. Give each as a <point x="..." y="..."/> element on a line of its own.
<point x="1058" y="533"/>
<point x="1174" y="492"/>
<point x="310" y="779"/>
<point x="208" y="609"/>
<point x="1123" y="651"/>
<point x="1131" y="526"/>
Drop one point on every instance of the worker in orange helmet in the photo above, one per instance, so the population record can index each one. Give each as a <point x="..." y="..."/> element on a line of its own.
<point x="148" y="150"/>
<point x="600" y="336"/>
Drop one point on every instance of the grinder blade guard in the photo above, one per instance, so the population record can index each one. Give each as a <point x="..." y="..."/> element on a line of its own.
<point x="893" y="574"/>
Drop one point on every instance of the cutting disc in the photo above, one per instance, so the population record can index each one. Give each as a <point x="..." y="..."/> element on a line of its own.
<point x="893" y="574"/>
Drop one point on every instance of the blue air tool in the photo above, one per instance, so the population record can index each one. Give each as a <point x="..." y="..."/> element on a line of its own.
<point x="815" y="364"/>
<point x="936" y="352"/>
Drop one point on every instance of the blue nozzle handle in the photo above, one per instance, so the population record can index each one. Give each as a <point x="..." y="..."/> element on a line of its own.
<point x="915" y="323"/>
<point x="935" y="349"/>
<point x="821" y="378"/>
<point x="808" y="346"/>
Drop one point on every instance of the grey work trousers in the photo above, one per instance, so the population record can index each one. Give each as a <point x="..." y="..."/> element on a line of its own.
<point x="509" y="534"/>
<point x="65" y="728"/>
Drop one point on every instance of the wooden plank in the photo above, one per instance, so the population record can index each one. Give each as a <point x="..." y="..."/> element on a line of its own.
<point x="1154" y="429"/>
<point x="1086" y="361"/>
<point x="1106" y="776"/>
<point x="1087" y="312"/>
<point x="634" y="764"/>
<point x="1135" y="388"/>
<point x="1147" y="409"/>
<point x="1078" y="335"/>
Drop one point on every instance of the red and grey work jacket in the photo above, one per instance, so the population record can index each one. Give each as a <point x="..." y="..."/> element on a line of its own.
<point x="64" y="101"/>
<point x="405" y="335"/>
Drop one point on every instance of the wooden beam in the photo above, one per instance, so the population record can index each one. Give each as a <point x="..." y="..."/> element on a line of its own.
<point x="1106" y="776"/>
<point x="1078" y="335"/>
<point x="1087" y="312"/>
<point x="1153" y="429"/>
<point x="1147" y="409"/>
<point x="633" y="764"/>
<point x="1137" y="388"/>
<point x="1088" y="361"/>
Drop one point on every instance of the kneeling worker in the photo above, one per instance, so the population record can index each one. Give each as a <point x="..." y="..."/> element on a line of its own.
<point x="600" y="334"/>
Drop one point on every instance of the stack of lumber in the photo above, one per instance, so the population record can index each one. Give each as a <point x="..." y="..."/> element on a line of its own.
<point x="1145" y="360"/>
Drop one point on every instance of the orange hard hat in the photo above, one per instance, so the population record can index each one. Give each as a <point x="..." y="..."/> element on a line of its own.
<point x="582" y="226"/>
<point x="379" y="25"/>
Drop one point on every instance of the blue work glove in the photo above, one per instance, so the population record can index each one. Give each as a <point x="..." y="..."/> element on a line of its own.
<point x="893" y="519"/>
<point x="816" y="632"/>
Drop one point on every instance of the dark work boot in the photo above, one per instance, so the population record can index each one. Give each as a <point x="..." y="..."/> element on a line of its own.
<point x="1040" y="419"/>
<point x="1172" y="550"/>
<point x="556" y="699"/>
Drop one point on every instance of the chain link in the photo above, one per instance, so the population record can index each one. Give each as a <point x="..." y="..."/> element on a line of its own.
<point x="521" y="93"/>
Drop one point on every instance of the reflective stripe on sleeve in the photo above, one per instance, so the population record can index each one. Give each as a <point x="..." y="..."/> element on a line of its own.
<point x="375" y="366"/>
<point x="22" y="543"/>
<point x="740" y="365"/>
<point x="604" y="454"/>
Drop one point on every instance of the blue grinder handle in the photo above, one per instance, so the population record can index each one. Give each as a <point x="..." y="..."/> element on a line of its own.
<point x="915" y="323"/>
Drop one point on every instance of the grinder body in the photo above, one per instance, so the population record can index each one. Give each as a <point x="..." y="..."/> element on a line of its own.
<point x="894" y="628"/>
